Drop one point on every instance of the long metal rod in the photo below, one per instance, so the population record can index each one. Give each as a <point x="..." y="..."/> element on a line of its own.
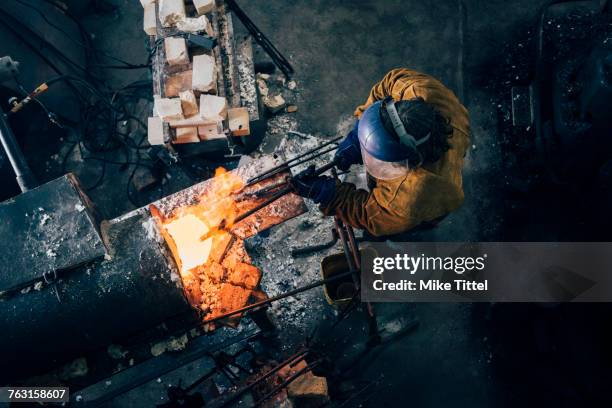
<point x="288" y="381"/>
<point x="279" y="60"/>
<point x="285" y="164"/>
<point x="351" y="251"/>
<point x="307" y="159"/>
<point x="277" y="297"/>
<point x="353" y="245"/>
<point x="347" y="252"/>
<point x="291" y="360"/>
<point x="222" y="225"/>
<point x="23" y="174"/>
<point x="280" y="193"/>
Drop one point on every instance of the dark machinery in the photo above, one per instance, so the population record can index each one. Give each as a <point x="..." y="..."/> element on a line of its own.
<point x="81" y="283"/>
<point x="75" y="283"/>
<point x="572" y="87"/>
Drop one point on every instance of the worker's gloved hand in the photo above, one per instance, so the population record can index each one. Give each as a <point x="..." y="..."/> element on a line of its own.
<point x="349" y="151"/>
<point x="320" y="189"/>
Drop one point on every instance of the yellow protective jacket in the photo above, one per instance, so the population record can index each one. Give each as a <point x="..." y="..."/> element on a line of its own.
<point x="424" y="194"/>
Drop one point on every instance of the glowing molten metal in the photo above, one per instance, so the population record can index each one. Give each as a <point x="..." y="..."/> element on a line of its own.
<point x="216" y="271"/>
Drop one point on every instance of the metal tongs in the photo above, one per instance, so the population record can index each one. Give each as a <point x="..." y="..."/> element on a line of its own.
<point x="296" y="161"/>
<point x="284" y="189"/>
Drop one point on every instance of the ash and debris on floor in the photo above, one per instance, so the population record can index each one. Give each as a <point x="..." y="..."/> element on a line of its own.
<point x="272" y="251"/>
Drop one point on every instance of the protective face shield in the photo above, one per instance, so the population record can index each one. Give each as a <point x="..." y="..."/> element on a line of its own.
<point x="386" y="155"/>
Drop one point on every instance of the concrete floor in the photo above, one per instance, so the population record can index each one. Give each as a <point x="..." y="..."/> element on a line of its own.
<point x="339" y="50"/>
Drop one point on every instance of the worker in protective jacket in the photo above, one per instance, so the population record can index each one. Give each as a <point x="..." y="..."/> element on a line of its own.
<point x="412" y="134"/>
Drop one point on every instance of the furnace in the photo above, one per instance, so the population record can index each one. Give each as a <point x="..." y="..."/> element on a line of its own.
<point x="148" y="267"/>
<point x="207" y="246"/>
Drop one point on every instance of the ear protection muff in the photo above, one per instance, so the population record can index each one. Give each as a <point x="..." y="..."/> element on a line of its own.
<point x="405" y="138"/>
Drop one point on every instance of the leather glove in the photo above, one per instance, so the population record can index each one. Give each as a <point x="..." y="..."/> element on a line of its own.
<point x="349" y="151"/>
<point x="320" y="189"/>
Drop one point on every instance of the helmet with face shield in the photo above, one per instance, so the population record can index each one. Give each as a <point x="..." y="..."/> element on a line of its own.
<point x="391" y="151"/>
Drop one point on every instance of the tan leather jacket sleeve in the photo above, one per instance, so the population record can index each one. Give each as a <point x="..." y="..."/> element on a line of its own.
<point x="395" y="206"/>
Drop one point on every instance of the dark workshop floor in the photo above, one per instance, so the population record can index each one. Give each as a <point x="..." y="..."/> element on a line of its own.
<point x="339" y="49"/>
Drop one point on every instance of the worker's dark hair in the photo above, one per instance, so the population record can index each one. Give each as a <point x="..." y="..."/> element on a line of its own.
<point x="419" y="119"/>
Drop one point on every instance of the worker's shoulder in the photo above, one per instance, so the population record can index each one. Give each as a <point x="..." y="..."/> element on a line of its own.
<point x="444" y="100"/>
<point x="409" y="83"/>
<point x="406" y="83"/>
<point x="399" y="79"/>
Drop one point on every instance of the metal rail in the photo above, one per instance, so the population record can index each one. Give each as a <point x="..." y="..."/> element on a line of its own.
<point x="276" y="298"/>
<point x="277" y="58"/>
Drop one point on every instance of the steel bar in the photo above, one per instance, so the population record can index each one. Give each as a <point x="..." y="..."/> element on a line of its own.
<point x="280" y="193"/>
<point x="300" y="355"/>
<point x="347" y="252"/>
<point x="285" y="164"/>
<point x="266" y="190"/>
<point x="277" y="195"/>
<point x="227" y="248"/>
<point x="262" y="192"/>
<point x="277" y="298"/>
<point x="307" y="159"/>
<point x="279" y="60"/>
<point x="353" y="245"/>
<point x="349" y="243"/>
<point x="351" y="251"/>
<point x="23" y="174"/>
<point x="288" y="381"/>
<point x="273" y="198"/>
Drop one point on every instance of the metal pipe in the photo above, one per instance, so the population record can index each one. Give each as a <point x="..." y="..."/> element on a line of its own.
<point x="277" y="298"/>
<point x="23" y="174"/>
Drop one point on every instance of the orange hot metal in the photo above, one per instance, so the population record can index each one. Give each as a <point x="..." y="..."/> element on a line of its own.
<point x="216" y="272"/>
